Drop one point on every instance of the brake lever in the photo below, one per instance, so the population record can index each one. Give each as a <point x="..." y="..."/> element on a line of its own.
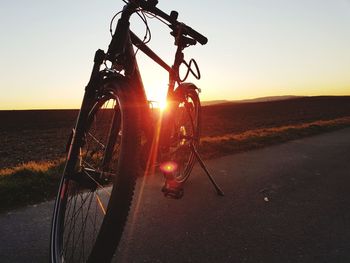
<point x="174" y="15"/>
<point x="153" y="3"/>
<point x="148" y="3"/>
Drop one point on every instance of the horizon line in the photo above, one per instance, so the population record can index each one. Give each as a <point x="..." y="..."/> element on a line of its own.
<point x="283" y="97"/>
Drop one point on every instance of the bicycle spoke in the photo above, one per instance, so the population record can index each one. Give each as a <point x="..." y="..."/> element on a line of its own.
<point x="100" y="204"/>
<point x="97" y="183"/>
<point x="97" y="141"/>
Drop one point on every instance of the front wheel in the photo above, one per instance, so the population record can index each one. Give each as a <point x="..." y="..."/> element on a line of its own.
<point x="97" y="186"/>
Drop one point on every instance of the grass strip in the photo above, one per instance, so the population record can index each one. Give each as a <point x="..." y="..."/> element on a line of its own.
<point x="215" y="146"/>
<point x="29" y="183"/>
<point x="35" y="182"/>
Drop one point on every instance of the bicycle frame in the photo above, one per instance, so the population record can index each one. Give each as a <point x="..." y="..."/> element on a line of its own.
<point x="121" y="53"/>
<point x="127" y="92"/>
<point x="132" y="69"/>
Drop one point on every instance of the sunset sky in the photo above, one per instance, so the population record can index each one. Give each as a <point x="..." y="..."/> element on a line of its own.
<point x="256" y="48"/>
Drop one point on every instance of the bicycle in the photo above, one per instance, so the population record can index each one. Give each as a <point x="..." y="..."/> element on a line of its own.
<point x="114" y="137"/>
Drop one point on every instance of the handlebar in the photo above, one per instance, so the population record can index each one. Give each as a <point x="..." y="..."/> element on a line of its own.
<point x="151" y="7"/>
<point x="117" y="45"/>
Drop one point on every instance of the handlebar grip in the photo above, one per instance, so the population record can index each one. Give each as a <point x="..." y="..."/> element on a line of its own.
<point x="197" y="36"/>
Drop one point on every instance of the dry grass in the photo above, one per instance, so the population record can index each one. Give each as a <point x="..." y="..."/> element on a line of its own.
<point x="32" y="166"/>
<point x="29" y="183"/>
<point x="276" y="130"/>
<point x="214" y="146"/>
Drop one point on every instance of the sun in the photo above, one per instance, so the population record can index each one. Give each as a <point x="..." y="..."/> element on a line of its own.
<point x="163" y="104"/>
<point x="157" y="93"/>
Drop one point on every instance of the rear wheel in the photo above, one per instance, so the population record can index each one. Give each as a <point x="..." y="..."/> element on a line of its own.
<point x="186" y="131"/>
<point x="96" y="191"/>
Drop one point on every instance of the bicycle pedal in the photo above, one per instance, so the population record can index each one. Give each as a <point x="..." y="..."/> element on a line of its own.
<point x="176" y="192"/>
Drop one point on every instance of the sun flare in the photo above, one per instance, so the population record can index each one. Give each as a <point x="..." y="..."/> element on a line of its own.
<point x="163" y="104"/>
<point x="156" y="94"/>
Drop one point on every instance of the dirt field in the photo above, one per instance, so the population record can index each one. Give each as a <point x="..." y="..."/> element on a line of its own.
<point x="41" y="134"/>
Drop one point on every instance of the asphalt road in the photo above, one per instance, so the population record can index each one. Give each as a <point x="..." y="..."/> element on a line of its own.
<point x="286" y="203"/>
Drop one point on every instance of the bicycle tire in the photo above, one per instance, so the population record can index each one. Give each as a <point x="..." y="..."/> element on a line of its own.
<point x="113" y="175"/>
<point x="186" y="130"/>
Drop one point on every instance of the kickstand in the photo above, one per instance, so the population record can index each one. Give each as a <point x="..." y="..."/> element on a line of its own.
<point x="199" y="159"/>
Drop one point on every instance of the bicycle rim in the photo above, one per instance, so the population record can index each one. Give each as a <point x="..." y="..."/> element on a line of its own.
<point x="84" y="207"/>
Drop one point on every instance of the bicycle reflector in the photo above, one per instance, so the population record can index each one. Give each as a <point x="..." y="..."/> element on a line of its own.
<point x="168" y="167"/>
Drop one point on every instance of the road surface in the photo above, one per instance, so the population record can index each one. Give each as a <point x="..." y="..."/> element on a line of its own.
<point x="286" y="203"/>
